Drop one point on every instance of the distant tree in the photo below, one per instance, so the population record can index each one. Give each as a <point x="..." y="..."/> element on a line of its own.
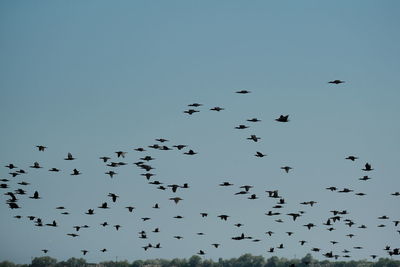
<point x="194" y="261"/>
<point x="43" y="262"/>
<point x="7" y="264"/>
<point x="137" y="263"/>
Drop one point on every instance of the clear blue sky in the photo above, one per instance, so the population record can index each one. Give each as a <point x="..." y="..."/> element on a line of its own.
<point x="94" y="77"/>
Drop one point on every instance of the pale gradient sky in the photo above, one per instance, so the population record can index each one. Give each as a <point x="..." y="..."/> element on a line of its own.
<point x="94" y="77"/>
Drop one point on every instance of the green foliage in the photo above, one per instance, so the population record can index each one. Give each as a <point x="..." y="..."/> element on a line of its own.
<point x="44" y="262"/>
<point x="246" y="260"/>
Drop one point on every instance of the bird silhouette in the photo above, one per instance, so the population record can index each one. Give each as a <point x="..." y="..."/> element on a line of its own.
<point x="69" y="157"/>
<point x="336" y="81"/>
<point x="367" y="167"/>
<point x="283" y="118"/>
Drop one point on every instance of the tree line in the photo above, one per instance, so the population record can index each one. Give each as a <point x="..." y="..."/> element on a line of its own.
<point x="246" y="260"/>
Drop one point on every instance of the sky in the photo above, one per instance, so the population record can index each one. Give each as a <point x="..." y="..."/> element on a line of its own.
<point x="96" y="77"/>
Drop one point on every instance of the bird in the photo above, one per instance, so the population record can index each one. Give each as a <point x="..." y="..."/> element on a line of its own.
<point x="104" y="206"/>
<point x="179" y="147"/>
<point x="54" y="170"/>
<point x="103" y="250"/>
<point x="309" y="225"/>
<point x="367" y="167"/>
<point x="35" y="195"/>
<point x="139" y="149"/>
<point x="190" y="152"/>
<point x="117" y="226"/>
<point x="130" y="208"/>
<point x="113" y="197"/>
<point x="191" y="111"/>
<point x="336" y="82"/>
<point x="286" y="168"/>
<point x="104" y="159"/>
<point x="243" y="92"/>
<point x="253" y="120"/>
<point x="241" y="127"/>
<point x="90" y="212"/>
<point x="217" y="109"/>
<point x="223" y="217"/>
<point x="254" y="138"/>
<point x="111" y="173"/>
<point x="283" y="118"/>
<point x="69" y="156"/>
<point x="120" y="154"/>
<point x="75" y="172"/>
<point x="259" y="154"/>
<point x="41" y="148"/>
<point x="225" y="184"/>
<point x="84" y="252"/>
<point x="176" y="199"/>
<point x="352" y="158"/>
<point x="216" y="245"/>
<point x="201" y="252"/>
<point x="73" y="235"/>
<point x="36" y="165"/>
<point x="44" y="250"/>
<point x="195" y="105"/>
<point x="162" y="140"/>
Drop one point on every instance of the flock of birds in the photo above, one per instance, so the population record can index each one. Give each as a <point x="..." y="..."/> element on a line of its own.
<point x="143" y="163"/>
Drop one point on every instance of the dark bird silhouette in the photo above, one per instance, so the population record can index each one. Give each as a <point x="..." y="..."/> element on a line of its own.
<point x="104" y="224"/>
<point x="35" y="195"/>
<point x="111" y="173"/>
<point x="294" y="215"/>
<point x="352" y="158"/>
<point x="53" y="224"/>
<point x="367" y="167"/>
<point x="216" y="245"/>
<point x="241" y="127"/>
<point x="223" y="217"/>
<point x="117" y="226"/>
<point x="84" y="252"/>
<point x="73" y="235"/>
<point x="259" y="154"/>
<point x="75" y="172"/>
<point x="121" y="154"/>
<point x="35" y="165"/>
<point x="195" y="105"/>
<point x="104" y="159"/>
<point x="41" y="148"/>
<point x="286" y="168"/>
<point x="190" y="152"/>
<point x="283" y="118"/>
<point x="191" y="111"/>
<point x="217" y="109"/>
<point x="309" y="225"/>
<point x="243" y="92"/>
<point x="54" y="170"/>
<point x="69" y="156"/>
<point x="180" y="147"/>
<point x="104" y="206"/>
<point x="90" y="212"/>
<point x="254" y="138"/>
<point x="201" y="252"/>
<point x="130" y="208"/>
<point x="254" y="120"/>
<point x="44" y="250"/>
<point x="13" y="205"/>
<point x="113" y="197"/>
<point x="11" y="166"/>
<point x="176" y="199"/>
<point x="139" y="149"/>
<point x="336" y="82"/>
<point x="225" y="184"/>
